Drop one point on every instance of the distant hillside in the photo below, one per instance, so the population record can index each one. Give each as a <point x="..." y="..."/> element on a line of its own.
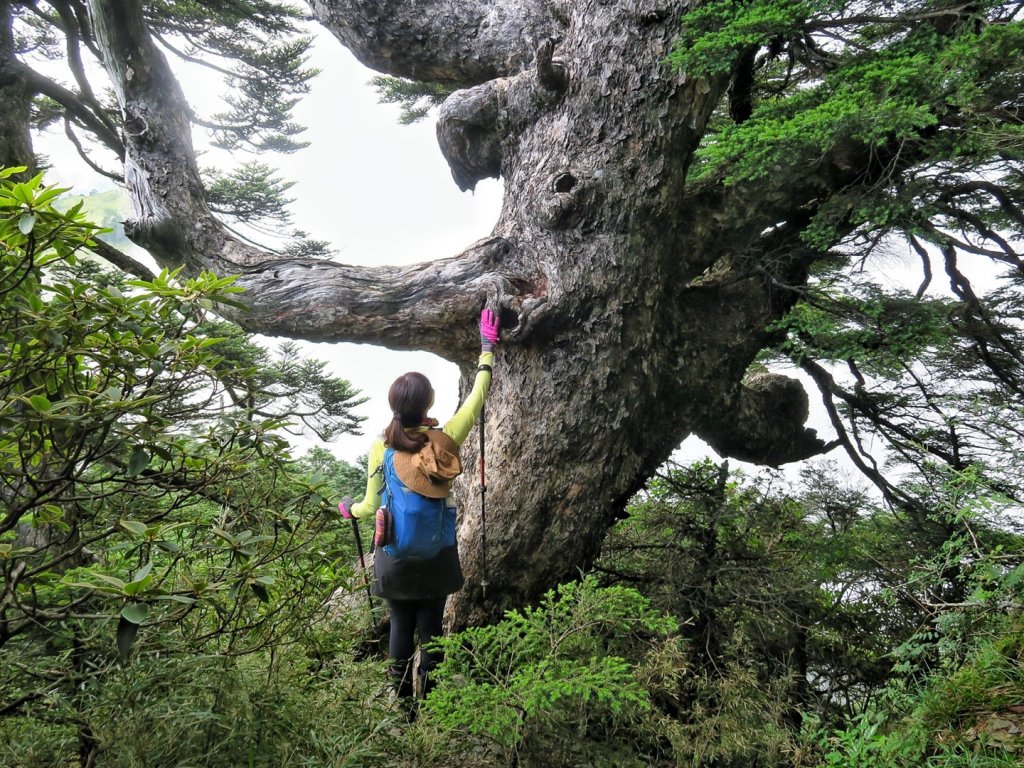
<point x="108" y="209"/>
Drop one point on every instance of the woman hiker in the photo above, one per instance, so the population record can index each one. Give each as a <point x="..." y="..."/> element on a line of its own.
<point x="425" y="460"/>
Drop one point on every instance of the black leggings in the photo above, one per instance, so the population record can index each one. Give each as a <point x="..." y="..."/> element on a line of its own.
<point x="408" y="616"/>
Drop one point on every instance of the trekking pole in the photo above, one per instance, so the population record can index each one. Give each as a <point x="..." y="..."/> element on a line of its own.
<point x="362" y="564"/>
<point x="483" y="511"/>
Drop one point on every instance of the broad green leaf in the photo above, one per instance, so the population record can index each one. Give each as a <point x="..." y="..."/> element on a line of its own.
<point x="139" y="461"/>
<point x="133" y="588"/>
<point x="260" y="592"/>
<point x="143" y="572"/>
<point x="49" y="194"/>
<point x="136" y="613"/>
<point x="111" y="580"/>
<point x="183" y="599"/>
<point x="27" y="223"/>
<point x="162" y="452"/>
<point x="134" y="526"/>
<point x="8" y="551"/>
<point x="40" y="403"/>
<point x="226" y="536"/>
<point x="83" y="585"/>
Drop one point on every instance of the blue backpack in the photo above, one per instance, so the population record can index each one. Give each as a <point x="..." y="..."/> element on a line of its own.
<point x="420" y="526"/>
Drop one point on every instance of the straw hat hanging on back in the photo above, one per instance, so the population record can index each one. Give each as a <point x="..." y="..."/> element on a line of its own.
<point x="430" y="471"/>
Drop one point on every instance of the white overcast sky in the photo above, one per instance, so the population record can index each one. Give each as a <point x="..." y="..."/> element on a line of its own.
<point x="380" y="193"/>
<point x="377" y="191"/>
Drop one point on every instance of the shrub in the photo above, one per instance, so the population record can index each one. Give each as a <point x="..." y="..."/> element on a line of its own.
<point x="548" y="680"/>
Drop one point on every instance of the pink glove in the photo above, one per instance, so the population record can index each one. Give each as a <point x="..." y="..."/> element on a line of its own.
<point x="488" y="330"/>
<point x="345" y="507"/>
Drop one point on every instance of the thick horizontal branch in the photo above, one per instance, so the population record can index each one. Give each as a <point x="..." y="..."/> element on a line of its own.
<point x="765" y="425"/>
<point x="412" y="307"/>
<point x="463" y="42"/>
<point x="422" y="306"/>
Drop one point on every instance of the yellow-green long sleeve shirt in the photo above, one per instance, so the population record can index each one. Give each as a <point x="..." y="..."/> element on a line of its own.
<point x="457" y="428"/>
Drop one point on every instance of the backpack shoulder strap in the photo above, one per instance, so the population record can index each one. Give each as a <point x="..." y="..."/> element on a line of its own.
<point x="389" y="455"/>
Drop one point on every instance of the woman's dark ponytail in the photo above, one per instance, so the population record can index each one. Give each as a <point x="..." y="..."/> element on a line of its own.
<point x="410" y="397"/>
<point x="396" y="437"/>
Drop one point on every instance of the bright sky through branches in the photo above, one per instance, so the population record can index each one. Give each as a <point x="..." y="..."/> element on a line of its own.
<point x="377" y="191"/>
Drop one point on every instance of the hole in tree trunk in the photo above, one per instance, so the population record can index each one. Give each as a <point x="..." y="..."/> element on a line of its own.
<point x="508" y="318"/>
<point x="564" y="182"/>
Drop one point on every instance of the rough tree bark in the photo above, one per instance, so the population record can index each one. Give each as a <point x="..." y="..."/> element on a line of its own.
<point x="633" y="306"/>
<point x="15" y="139"/>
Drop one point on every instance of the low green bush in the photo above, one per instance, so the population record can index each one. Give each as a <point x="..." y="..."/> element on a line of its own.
<point x="563" y="681"/>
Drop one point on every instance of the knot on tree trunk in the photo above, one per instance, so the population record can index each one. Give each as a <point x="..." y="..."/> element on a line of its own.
<point x="474" y="123"/>
<point x="765" y="423"/>
<point x="520" y="297"/>
<point x="468" y="134"/>
<point x="569" y="202"/>
<point x="551" y="73"/>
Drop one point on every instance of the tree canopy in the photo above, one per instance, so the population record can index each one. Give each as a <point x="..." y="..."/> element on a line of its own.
<point x="918" y="108"/>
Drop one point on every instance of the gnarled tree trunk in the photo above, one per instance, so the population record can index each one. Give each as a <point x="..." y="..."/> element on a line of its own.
<point x="15" y="139"/>
<point x="632" y="305"/>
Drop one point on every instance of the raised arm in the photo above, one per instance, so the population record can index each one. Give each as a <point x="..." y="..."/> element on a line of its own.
<point x="461" y="423"/>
